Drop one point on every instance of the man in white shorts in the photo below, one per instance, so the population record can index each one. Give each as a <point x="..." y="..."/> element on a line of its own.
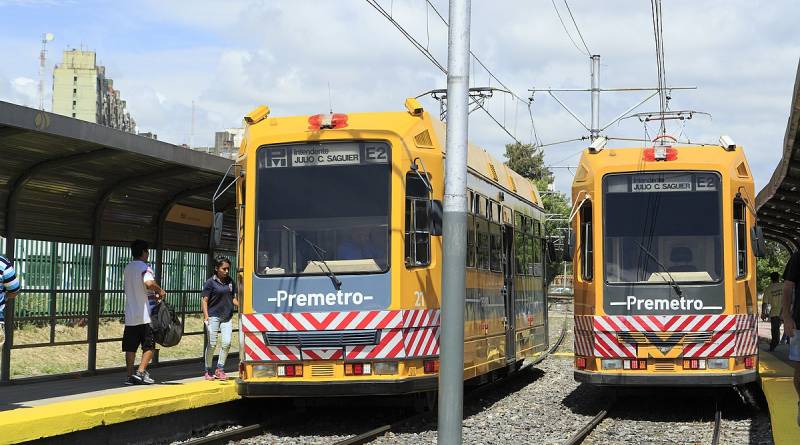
<point x="790" y="313"/>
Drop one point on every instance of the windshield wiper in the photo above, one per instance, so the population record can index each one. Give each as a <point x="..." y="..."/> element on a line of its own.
<point x="671" y="281"/>
<point x="337" y="283"/>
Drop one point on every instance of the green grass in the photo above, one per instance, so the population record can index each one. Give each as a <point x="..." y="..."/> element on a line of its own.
<point x="46" y="360"/>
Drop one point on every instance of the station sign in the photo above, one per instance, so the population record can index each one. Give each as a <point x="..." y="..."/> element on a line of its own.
<point x="319" y="155"/>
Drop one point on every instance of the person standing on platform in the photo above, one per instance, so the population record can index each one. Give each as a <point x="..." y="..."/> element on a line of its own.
<point x="8" y="291"/>
<point x="790" y="312"/>
<point x="139" y="280"/>
<point x="219" y="299"/>
<point x="773" y="295"/>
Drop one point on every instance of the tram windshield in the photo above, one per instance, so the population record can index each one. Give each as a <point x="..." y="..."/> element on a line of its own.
<point x="672" y="216"/>
<point x="322" y="208"/>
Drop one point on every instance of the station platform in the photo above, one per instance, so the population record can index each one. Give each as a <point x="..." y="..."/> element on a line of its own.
<point x="776" y="373"/>
<point x="36" y="410"/>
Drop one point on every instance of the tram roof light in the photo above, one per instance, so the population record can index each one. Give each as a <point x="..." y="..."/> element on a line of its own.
<point x="257" y="115"/>
<point x="327" y="121"/>
<point x="414" y="107"/>
<point x="660" y="153"/>
<point x="727" y="143"/>
<point x="598" y="144"/>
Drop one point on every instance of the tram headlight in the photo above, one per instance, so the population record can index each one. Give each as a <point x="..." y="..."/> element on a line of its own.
<point x="717" y="363"/>
<point x="611" y="363"/>
<point x="385" y="368"/>
<point x="263" y="370"/>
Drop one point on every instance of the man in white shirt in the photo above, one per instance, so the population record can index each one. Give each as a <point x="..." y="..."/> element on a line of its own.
<point x="139" y="280"/>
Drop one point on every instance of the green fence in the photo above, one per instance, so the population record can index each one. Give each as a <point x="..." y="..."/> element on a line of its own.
<point x="51" y="316"/>
<point x="56" y="278"/>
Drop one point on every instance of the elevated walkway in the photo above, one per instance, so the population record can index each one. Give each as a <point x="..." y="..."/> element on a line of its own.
<point x="776" y="374"/>
<point x="46" y="409"/>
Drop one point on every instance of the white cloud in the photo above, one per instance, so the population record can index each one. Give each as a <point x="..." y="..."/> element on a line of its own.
<point x="742" y="55"/>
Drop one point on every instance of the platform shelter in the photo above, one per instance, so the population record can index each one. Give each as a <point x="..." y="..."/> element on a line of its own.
<point x="73" y="195"/>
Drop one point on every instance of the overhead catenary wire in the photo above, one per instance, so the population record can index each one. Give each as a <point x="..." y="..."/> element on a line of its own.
<point x="524" y="101"/>
<point x="658" y="37"/>
<point x="566" y="31"/>
<point x="407" y="35"/>
<point x="441" y="67"/>
<point x="577" y="28"/>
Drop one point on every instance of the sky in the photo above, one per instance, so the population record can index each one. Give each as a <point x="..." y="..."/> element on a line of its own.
<point x="305" y="57"/>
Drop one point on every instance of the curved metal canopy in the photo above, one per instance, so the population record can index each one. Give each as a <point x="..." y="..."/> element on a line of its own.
<point x="63" y="179"/>
<point x="778" y="203"/>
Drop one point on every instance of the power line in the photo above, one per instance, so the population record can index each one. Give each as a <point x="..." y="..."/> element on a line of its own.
<point x="526" y="102"/>
<point x="567" y="31"/>
<point x="408" y="36"/>
<point x="577" y="28"/>
<point x="433" y="60"/>
<point x="658" y="36"/>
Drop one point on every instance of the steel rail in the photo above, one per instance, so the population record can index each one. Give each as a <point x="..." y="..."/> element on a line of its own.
<point x="717" y="422"/>
<point x="224" y="437"/>
<point x="589" y="427"/>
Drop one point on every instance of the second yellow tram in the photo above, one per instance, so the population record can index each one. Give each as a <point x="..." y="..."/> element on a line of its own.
<point x="664" y="268"/>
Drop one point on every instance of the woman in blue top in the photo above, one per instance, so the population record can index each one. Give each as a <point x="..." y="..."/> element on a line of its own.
<point x="219" y="300"/>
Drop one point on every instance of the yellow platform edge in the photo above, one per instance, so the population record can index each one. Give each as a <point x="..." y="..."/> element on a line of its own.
<point x="776" y="382"/>
<point x="36" y="422"/>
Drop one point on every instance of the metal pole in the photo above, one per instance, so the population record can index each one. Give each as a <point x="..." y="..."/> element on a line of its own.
<point x="595" y="130"/>
<point x="451" y="376"/>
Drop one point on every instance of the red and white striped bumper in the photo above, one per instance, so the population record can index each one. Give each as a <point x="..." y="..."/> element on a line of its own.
<point x="403" y="334"/>
<point x="731" y="335"/>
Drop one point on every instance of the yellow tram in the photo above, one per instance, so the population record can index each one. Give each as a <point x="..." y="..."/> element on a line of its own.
<point x="340" y="256"/>
<point x="664" y="267"/>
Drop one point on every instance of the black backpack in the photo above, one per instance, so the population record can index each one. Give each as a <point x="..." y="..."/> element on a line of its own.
<point x="167" y="328"/>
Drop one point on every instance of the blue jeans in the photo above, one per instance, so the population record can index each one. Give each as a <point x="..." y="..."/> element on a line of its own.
<point x="222" y="330"/>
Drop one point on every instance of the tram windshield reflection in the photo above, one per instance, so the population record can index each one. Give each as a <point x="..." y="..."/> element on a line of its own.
<point x="675" y="216"/>
<point x="313" y="218"/>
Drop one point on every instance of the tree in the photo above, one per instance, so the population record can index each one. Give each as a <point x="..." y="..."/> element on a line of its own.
<point x="528" y="161"/>
<point x="774" y="261"/>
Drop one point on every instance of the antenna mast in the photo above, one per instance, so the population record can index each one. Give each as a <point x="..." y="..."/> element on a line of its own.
<point x="191" y="132"/>
<point x="46" y="37"/>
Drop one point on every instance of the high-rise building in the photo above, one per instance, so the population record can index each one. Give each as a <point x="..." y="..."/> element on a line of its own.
<point x="226" y="143"/>
<point x="82" y="90"/>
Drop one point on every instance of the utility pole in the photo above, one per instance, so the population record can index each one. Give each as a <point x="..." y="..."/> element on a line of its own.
<point x="454" y="244"/>
<point x="46" y="37"/>
<point x="594" y="132"/>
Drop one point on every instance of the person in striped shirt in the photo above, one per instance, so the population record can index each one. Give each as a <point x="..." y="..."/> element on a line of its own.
<point x="8" y="290"/>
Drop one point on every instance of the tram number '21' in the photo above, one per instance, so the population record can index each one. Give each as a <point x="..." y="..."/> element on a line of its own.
<point x="420" y="298"/>
<point x="375" y="153"/>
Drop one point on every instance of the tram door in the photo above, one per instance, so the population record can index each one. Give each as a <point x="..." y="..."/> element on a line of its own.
<point x="508" y="290"/>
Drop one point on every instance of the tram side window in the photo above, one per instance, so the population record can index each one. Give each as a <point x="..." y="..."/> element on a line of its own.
<point x="496" y="248"/>
<point x="482" y="229"/>
<point x="740" y="228"/>
<point x="417" y="235"/>
<point x="587" y="240"/>
<point x="537" y="248"/>
<point x="470" y="241"/>
<point x="519" y="245"/>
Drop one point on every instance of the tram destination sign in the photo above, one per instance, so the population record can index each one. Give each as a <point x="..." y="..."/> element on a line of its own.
<point x="660" y="182"/>
<point x="350" y="153"/>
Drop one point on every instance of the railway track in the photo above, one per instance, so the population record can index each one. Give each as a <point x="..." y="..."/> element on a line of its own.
<point x="472" y="395"/>
<point x="587" y="429"/>
<point x="257" y="429"/>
